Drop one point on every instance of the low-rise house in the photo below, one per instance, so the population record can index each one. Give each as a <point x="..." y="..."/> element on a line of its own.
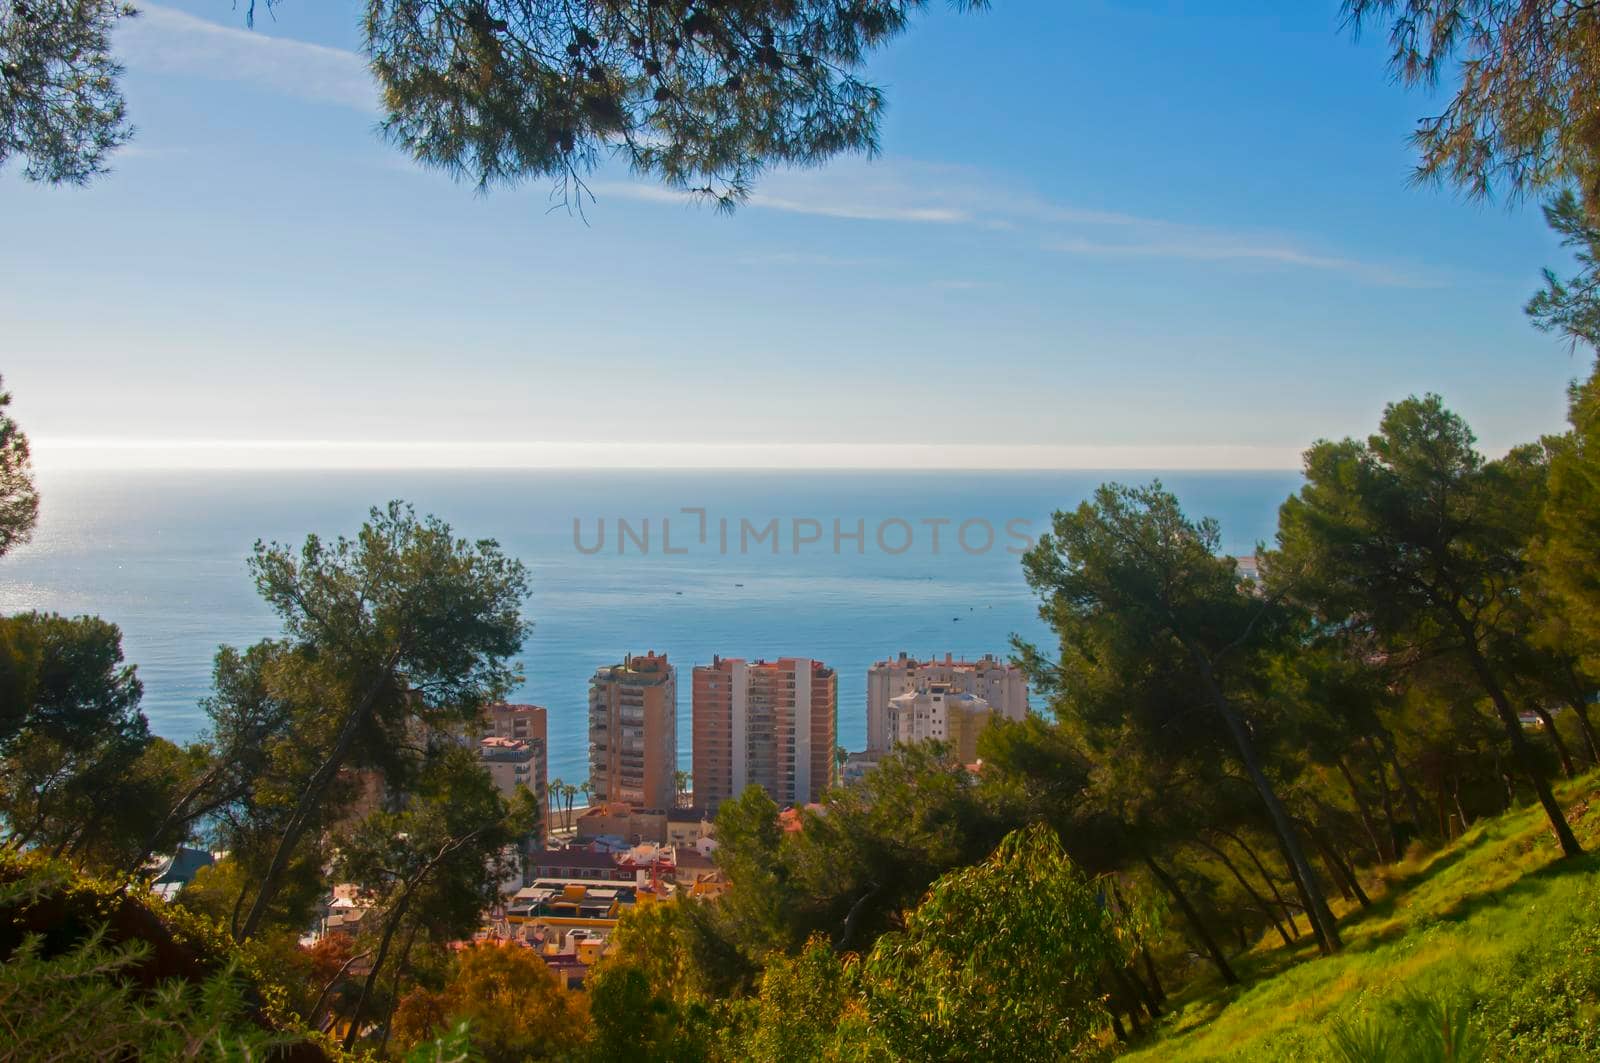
<point x="578" y="864"/>
<point x="344" y="910"/>
<point x="565" y="904"/>
<point x="618" y="820"/>
<point x="689" y="826"/>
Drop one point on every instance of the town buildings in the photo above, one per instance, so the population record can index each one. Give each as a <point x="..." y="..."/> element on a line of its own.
<point x="633" y="733"/>
<point x="1000" y="684"/>
<point x="769" y="723"/>
<point x="516" y="763"/>
<point x="529" y="724"/>
<point x="939" y="713"/>
<point x="614" y="819"/>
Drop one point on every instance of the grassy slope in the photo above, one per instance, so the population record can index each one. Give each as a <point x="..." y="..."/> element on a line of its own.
<point x="1495" y="921"/>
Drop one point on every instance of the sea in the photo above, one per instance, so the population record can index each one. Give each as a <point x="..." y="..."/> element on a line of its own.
<point x="844" y="567"/>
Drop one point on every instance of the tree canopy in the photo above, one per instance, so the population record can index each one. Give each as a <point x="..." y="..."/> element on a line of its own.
<point x="19" y="502"/>
<point x="701" y="95"/>
<point x="61" y="108"/>
<point x="1524" y="75"/>
<point x="1413" y="536"/>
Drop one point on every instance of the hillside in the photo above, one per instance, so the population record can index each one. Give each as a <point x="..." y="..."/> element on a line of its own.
<point x="1494" y="923"/>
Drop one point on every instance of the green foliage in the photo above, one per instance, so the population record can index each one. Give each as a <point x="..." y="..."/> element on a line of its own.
<point x="83" y="997"/>
<point x="1413" y="540"/>
<point x="1567" y="554"/>
<point x="873" y="849"/>
<point x="1494" y="924"/>
<point x="453" y="1047"/>
<point x="1571" y="307"/>
<point x="500" y="1004"/>
<point x="19" y="502"/>
<point x="1519" y="116"/>
<point x="702" y="97"/>
<point x="1410" y="1029"/>
<point x="72" y="739"/>
<point x="755" y="912"/>
<point x="61" y="108"/>
<point x="1001" y="961"/>
<point x="636" y="1018"/>
<point x="402" y="630"/>
<point x="797" y="1013"/>
<point x="112" y="974"/>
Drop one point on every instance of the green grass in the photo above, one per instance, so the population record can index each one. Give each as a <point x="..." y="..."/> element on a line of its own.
<point x="1496" y="923"/>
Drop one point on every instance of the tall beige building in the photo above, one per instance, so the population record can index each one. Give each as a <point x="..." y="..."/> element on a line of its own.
<point x="771" y="723"/>
<point x="938" y="713"/>
<point x="633" y="733"/>
<point x="527" y="724"/>
<point x="999" y="683"/>
<point x="516" y="764"/>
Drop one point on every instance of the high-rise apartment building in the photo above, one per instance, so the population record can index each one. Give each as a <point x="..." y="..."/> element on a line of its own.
<point x="633" y="733"/>
<point x="527" y="724"/>
<point x="771" y="723"/>
<point x="999" y="683"/>
<point x="938" y="713"/>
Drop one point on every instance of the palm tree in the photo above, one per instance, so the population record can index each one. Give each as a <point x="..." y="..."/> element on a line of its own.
<point x="681" y="780"/>
<point x="568" y="792"/>
<point x="553" y="789"/>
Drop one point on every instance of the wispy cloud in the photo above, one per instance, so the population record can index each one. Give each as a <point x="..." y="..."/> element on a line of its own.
<point x="943" y="195"/>
<point x="899" y="191"/>
<point x="848" y="207"/>
<point x="1205" y="248"/>
<point x="173" y="42"/>
<point x="860" y="211"/>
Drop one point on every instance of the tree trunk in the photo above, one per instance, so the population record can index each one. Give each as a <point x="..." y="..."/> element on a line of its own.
<point x="394" y="991"/>
<point x="394" y="921"/>
<point x="177" y="813"/>
<point x="1441" y="812"/>
<point x="1205" y="939"/>
<point x="1306" y="906"/>
<point x="312" y="1016"/>
<point x="1150" y="971"/>
<point x="1580" y="708"/>
<point x="1562" y="753"/>
<point x="389" y="928"/>
<point x="1287" y="836"/>
<point x="1388" y="812"/>
<point x="1248" y="889"/>
<point x="1288" y="913"/>
<point x="1519" y="744"/>
<point x="1461" y="813"/>
<point x="238" y="906"/>
<point x="1339" y="866"/>
<point x="1361" y="808"/>
<point x="310" y="797"/>
<point x="853" y="917"/>
<point x="1412" y="796"/>
<point x="1138" y="994"/>
<point x="1160" y="994"/>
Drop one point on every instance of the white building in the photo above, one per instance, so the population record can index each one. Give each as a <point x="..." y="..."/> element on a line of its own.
<point x="933" y="714"/>
<point x="510" y="763"/>
<point x="998" y="683"/>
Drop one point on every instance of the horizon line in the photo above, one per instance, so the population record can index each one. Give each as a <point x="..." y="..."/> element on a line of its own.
<point x="75" y="453"/>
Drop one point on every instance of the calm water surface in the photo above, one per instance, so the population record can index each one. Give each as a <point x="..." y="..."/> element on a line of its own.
<point x="162" y="555"/>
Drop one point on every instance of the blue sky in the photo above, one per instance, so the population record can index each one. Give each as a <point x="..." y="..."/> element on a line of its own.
<point x="1100" y="235"/>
